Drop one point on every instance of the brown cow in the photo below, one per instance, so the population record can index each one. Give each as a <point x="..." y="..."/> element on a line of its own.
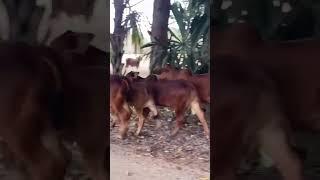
<point x="179" y="95"/>
<point x="26" y="114"/>
<point x="119" y="106"/>
<point x="85" y="68"/>
<point x="124" y="93"/>
<point x="133" y="62"/>
<point x="248" y="111"/>
<point x="141" y="98"/>
<point x="201" y="81"/>
<point x="293" y="64"/>
<point x="45" y="83"/>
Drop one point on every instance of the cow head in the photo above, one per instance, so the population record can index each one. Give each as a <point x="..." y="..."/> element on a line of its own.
<point x="73" y="42"/>
<point x="132" y="74"/>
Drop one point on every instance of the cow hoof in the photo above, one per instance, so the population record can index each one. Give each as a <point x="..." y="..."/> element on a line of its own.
<point x="208" y="137"/>
<point x="137" y="133"/>
<point x="121" y="137"/>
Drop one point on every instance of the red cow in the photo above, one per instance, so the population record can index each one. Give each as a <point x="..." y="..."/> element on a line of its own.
<point x="84" y="86"/>
<point x="119" y="106"/>
<point x="27" y="112"/>
<point x="201" y="81"/>
<point x="51" y="93"/>
<point x="178" y="94"/>
<point x="293" y="64"/>
<point x="124" y="93"/>
<point x="248" y="113"/>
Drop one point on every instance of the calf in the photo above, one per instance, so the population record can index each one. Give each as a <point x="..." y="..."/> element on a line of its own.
<point x="177" y="94"/>
<point x="133" y="62"/>
<point x="248" y="112"/>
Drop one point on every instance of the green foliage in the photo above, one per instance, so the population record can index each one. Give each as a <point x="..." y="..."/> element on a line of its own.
<point x="188" y="47"/>
<point x="136" y="35"/>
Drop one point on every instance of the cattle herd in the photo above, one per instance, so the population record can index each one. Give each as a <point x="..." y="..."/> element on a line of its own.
<point x="179" y="90"/>
<point x="263" y="92"/>
<point x="51" y="95"/>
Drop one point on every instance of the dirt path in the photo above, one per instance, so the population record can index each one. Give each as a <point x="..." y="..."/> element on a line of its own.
<point x="125" y="165"/>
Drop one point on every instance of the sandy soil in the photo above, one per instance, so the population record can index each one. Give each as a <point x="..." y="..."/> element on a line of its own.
<point x="156" y="155"/>
<point x="126" y="165"/>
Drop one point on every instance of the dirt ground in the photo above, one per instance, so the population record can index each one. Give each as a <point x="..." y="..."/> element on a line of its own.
<point x="189" y="149"/>
<point x="75" y="171"/>
<point x="127" y="165"/>
<point x="154" y="153"/>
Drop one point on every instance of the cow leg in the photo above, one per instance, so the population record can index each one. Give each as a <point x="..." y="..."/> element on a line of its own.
<point x="179" y="120"/>
<point x="151" y="105"/>
<point x="124" y="117"/>
<point x="274" y="137"/>
<point x="195" y="108"/>
<point x="40" y="163"/>
<point x="96" y="161"/>
<point x="141" y="120"/>
<point x="275" y="143"/>
<point x="94" y="149"/>
<point x="203" y="106"/>
<point x="53" y="142"/>
<point x="114" y="120"/>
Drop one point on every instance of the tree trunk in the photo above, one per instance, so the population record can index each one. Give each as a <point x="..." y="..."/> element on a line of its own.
<point x="159" y="31"/>
<point x="118" y="36"/>
<point x="24" y="19"/>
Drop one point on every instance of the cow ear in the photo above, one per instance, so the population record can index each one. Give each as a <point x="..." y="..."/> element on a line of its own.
<point x="83" y="42"/>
